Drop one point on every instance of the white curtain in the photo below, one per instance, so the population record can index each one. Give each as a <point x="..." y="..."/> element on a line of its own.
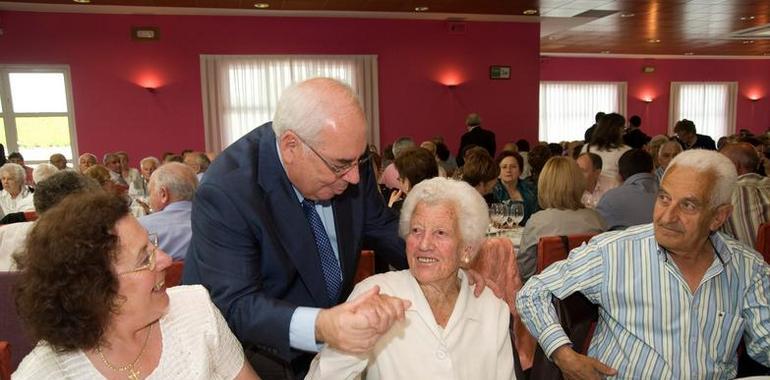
<point x="711" y="106"/>
<point x="240" y="93"/>
<point x="567" y="109"/>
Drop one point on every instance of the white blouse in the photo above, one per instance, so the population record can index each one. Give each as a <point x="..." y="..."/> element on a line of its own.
<point x="474" y="345"/>
<point x="22" y="202"/>
<point x="197" y="344"/>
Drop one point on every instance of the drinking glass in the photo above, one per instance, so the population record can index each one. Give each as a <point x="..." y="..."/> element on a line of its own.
<point x="517" y="213"/>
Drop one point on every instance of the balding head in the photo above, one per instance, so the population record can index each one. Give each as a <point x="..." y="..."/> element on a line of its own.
<point x="743" y="155"/>
<point x="171" y="182"/>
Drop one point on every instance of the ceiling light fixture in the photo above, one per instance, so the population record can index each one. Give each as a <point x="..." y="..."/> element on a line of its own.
<point x="626" y="15"/>
<point x="530" y="12"/>
<point x="421" y="9"/>
<point x="747" y="18"/>
<point x="82" y="1"/>
<point x="261" y="5"/>
<point x="605" y="52"/>
<point x="748" y="42"/>
<point x="689" y="53"/>
<point x="654" y="41"/>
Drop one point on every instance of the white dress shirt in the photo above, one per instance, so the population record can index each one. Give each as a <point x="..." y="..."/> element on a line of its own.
<point x="22" y="202"/>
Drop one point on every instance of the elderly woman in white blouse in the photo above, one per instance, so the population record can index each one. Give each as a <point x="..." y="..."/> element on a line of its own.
<point x="447" y="333"/>
<point x="15" y="197"/>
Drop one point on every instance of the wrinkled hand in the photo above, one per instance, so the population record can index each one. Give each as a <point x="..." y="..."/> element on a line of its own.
<point x="355" y="326"/>
<point x="575" y="366"/>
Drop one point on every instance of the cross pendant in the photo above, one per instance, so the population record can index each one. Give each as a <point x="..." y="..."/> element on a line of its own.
<point x="133" y="374"/>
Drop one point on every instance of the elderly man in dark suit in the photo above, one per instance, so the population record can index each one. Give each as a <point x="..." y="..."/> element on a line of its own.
<point x="277" y="228"/>
<point x="475" y="136"/>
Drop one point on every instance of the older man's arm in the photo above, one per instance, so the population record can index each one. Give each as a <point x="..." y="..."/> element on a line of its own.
<point x="581" y="272"/>
<point x="756" y="313"/>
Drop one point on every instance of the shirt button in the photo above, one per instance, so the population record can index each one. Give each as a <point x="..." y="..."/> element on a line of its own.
<point x="441" y="355"/>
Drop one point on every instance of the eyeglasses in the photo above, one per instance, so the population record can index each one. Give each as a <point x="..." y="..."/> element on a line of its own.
<point x="338" y="170"/>
<point x="148" y="259"/>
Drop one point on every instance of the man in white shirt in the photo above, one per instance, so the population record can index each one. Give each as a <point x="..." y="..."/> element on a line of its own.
<point x="596" y="184"/>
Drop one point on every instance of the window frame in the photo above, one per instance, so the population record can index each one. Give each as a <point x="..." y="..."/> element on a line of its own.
<point x="9" y="116"/>
<point x="675" y="107"/>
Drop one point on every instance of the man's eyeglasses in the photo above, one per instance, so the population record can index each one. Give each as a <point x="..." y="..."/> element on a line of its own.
<point x="148" y="256"/>
<point x="339" y="170"/>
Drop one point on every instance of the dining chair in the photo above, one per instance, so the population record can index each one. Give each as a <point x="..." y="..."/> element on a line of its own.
<point x="365" y="266"/>
<point x="763" y="241"/>
<point x="5" y="360"/>
<point x="551" y="249"/>
<point x="174" y="273"/>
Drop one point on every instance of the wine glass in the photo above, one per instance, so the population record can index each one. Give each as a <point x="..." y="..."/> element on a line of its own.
<point x="497" y="214"/>
<point x="516" y="213"/>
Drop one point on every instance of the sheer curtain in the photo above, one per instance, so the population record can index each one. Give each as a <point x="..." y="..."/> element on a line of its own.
<point x="567" y="109"/>
<point x="240" y="93"/>
<point x="711" y="106"/>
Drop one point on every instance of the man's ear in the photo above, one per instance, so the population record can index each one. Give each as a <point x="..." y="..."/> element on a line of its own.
<point x="289" y="145"/>
<point x="164" y="195"/>
<point x="720" y="216"/>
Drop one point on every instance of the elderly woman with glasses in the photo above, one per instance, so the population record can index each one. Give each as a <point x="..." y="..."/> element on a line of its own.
<point x="447" y="333"/>
<point x="15" y="196"/>
<point x="91" y="291"/>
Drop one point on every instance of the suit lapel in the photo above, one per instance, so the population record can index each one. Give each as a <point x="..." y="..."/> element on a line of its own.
<point x="293" y="231"/>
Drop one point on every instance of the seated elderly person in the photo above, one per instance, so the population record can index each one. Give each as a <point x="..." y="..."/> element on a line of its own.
<point x="559" y="191"/>
<point x="674" y="297"/>
<point x="751" y="197"/>
<point x="85" y="161"/>
<point x="414" y="166"/>
<point x="666" y="153"/>
<point x="509" y="188"/>
<point x="481" y="171"/>
<point x="91" y="290"/>
<point x="140" y="190"/>
<point x="447" y="333"/>
<point x="58" y="160"/>
<point x="631" y="203"/>
<point x="17" y="158"/>
<point x="15" y="196"/>
<point x="48" y="193"/>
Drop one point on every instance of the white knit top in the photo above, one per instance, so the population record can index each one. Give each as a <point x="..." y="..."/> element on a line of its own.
<point x="197" y="344"/>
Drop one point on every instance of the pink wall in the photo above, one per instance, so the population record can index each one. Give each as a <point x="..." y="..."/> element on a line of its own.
<point x="114" y="112"/>
<point x="753" y="77"/>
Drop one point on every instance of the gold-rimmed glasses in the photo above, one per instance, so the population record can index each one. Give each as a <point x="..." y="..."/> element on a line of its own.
<point x="342" y="169"/>
<point x="147" y="260"/>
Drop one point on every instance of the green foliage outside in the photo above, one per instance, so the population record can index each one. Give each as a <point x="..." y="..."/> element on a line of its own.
<point x="42" y="131"/>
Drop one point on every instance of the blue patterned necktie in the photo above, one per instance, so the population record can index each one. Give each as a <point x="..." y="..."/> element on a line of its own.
<point x="329" y="263"/>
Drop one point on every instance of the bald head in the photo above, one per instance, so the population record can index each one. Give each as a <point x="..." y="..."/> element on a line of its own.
<point x="743" y="156"/>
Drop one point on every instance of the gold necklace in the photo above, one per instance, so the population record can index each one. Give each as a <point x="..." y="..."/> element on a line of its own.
<point x="133" y="374"/>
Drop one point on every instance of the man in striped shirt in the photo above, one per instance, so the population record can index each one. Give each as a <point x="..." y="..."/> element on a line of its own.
<point x="751" y="197"/>
<point x="675" y="297"/>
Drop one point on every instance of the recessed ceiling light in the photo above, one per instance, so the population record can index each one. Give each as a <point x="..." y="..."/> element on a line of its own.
<point x="605" y="52"/>
<point x="530" y="12"/>
<point x="654" y="41"/>
<point x="553" y="38"/>
<point x="82" y="1"/>
<point x="421" y="9"/>
<point x="748" y="42"/>
<point x="625" y="15"/>
<point x="689" y="53"/>
<point x="747" y="18"/>
<point x="261" y="5"/>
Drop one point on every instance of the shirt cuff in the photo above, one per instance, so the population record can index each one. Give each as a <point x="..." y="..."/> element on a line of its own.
<point x="302" y="329"/>
<point x="552" y="338"/>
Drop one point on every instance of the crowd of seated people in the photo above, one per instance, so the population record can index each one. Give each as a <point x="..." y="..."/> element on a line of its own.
<point x="269" y="244"/>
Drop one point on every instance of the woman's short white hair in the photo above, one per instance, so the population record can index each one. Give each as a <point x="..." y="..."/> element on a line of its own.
<point x="305" y="107"/>
<point x="709" y="161"/>
<point x="470" y="208"/>
<point x="16" y="171"/>
<point x="43" y="171"/>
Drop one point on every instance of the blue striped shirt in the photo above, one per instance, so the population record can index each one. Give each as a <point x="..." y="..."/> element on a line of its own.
<point x="650" y="324"/>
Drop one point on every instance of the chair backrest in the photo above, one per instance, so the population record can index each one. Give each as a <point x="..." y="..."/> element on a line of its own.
<point x="174" y="274"/>
<point x="763" y="241"/>
<point x="551" y="249"/>
<point x="365" y="266"/>
<point x="5" y="360"/>
<point x="11" y="328"/>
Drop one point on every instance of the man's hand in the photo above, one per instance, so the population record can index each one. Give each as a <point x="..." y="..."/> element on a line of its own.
<point x="355" y="326"/>
<point x="475" y="278"/>
<point x="578" y="367"/>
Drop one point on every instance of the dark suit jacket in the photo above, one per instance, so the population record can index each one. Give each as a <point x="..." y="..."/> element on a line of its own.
<point x="254" y="250"/>
<point x="701" y="142"/>
<point x="635" y="138"/>
<point x="476" y="136"/>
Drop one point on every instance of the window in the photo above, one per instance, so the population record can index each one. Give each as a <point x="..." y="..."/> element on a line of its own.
<point x="36" y="117"/>
<point x="567" y="109"/>
<point x="710" y="105"/>
<point x="240" y="93"/>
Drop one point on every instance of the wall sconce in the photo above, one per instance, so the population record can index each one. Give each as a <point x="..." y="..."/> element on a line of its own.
<point x="451" y="86"/>
<point x="647" y="99"/>
<point x="754" y="98"/>
<point x="151" y="90"/>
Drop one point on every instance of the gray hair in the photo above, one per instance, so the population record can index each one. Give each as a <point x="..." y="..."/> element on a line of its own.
<point x="178" y="178"/>
<point x="53" y="189"/>
<point x="43" y="171"/>
<point x="709" y="161"/>
<point x="16" y="170"/>
<point x="470" y="207"/>
<point x="402" y="144"/>
<point x="305" y="108"/>
<point x="149" y="159"/>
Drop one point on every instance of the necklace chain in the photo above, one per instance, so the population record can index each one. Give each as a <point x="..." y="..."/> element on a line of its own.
<point x="133" y="374"/>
